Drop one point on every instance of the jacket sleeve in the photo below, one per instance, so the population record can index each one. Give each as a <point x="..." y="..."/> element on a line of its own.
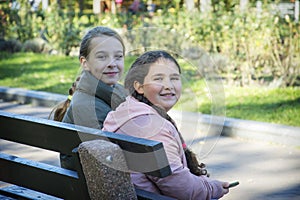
<point x="182" y="184"/>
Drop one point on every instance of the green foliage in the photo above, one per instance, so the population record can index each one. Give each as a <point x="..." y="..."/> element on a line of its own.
<point x="61" y="28"/>
<point x="18" y="24"/>
<point x="56" y="26"/>
<point x="56" y="74"/>
<point x="248" y="48"/>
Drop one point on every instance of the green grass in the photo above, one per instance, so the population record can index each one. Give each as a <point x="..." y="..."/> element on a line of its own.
<point x="56" y="74"/>
<point x="38" y="71"/>
<point x="280" y="105"/>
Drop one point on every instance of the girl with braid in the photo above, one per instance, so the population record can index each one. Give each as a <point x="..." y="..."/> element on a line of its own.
<point x="154" y="85"/>
<point x="97" y="92"/>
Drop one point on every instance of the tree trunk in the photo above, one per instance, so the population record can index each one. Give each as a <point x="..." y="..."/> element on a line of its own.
<point x="81" y="7"/>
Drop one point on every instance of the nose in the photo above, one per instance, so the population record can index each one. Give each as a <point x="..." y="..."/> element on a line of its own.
<point x="112" y="63"/>
<point x="168" y="84"/>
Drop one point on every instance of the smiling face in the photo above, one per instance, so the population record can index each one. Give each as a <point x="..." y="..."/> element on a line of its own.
<point x="105" y="60"/>
<point x="162" y="84"/>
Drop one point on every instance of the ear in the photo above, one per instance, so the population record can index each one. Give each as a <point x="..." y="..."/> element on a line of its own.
<point x="83" y="63"/>
<point x="138" y="87"/>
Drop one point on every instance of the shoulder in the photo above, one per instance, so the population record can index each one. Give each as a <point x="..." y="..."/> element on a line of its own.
<point x="120" y="90"/>
<point x="146" y="121"/>
<point x="119" y="95"/>
<point x="119" y="87"/>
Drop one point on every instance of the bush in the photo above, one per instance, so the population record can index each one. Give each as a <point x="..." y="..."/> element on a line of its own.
<point x="11" y="46"/>
<point x="36" y="45"/>
<point x="247" y="48"/>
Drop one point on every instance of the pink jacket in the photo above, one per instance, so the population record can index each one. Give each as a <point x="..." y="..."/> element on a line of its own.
<point x="140" y="120"/>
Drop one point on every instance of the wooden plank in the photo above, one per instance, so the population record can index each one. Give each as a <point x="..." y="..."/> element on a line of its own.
<point x="142" y="155"/>
<point x="5" y="197"/>
<point x="16" y="192"/>
<point x="42" y="177"/>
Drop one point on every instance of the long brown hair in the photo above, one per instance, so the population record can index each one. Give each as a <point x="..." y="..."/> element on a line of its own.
<point x="98" y="31"/>
<point x="138" y="71"/>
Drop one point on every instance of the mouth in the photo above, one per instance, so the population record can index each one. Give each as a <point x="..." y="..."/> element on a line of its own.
<point x="167" y="94"/>
<point x="110" y="73"/>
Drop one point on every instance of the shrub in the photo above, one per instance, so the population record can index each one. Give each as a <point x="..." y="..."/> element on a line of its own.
<point x="36" y="45"/>
<point x="246" y="47"/>
<point x="11" y="46"/>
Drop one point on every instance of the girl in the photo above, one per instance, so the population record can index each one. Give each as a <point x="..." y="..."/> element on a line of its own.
<point x="102" y="60"/>
<point x="154" y="85"/>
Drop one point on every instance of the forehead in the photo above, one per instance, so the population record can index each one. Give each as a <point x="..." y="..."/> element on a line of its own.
<point x="106" y="44"/>
<point x="163" y="65"/>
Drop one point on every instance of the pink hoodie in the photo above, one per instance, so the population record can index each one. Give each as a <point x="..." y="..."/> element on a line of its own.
<point x="141" y="120"/>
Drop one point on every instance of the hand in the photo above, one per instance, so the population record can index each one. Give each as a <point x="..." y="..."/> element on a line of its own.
<point x="225" y="186"/>
<point x="221" y="188"/>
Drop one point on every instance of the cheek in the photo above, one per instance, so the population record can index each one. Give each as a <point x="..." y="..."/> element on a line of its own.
<point x="178" y="88"/>
<point x="152" y="90"/>
<point x="99" y="66"/>
<point x="121" y="65"/>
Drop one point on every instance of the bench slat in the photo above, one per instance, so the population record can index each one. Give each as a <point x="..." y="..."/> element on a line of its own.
<point x="145" y="195"/>
<point x="42" y="177"/>
<point x="62" y="137"/>
<point x="25" y="193"/>
<point x="16" y="192"/>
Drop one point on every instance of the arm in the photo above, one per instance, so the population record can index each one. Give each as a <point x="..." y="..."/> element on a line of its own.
<point x="175" y="185"/>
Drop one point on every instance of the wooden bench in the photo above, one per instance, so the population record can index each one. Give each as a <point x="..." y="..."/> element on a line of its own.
<point x="30" y="179"/>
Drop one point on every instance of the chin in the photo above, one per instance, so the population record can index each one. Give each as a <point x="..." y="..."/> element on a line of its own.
<point x="110" y="82"/>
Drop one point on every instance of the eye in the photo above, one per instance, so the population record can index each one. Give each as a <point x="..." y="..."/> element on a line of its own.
<point x="119" y="57"/>
<point x="101" y="57"/>
<point x="158" y="78"/>
<point x="176" y="78"/>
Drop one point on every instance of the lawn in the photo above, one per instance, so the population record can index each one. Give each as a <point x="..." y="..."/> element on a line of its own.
<point x="56" y="73"/>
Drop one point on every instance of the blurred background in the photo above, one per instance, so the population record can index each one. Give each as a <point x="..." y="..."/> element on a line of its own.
<point x="251" y="48"/>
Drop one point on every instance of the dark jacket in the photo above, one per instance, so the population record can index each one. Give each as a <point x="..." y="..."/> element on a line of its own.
<point x="90" y="105"/>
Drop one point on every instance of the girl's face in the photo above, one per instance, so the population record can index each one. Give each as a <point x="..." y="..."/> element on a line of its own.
<point x="162" y="85"/>
<point x="105" y="60"/>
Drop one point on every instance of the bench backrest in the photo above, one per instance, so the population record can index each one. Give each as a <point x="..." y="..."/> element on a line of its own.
<point x="142" y="155"/>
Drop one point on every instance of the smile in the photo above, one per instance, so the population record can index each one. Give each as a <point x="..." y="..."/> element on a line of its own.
<point x="167" y="94"/>
<point x="110" y="73"/>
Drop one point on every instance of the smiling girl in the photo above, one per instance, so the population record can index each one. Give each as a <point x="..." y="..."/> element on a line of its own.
<point x="154" y="84"/>
<point x="101" y="58"/>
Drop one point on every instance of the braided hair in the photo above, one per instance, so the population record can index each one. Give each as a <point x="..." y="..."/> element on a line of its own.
<point x="59" y="110"/>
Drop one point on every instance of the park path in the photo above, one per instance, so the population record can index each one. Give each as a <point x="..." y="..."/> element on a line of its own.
<point x="265" y="171"/>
